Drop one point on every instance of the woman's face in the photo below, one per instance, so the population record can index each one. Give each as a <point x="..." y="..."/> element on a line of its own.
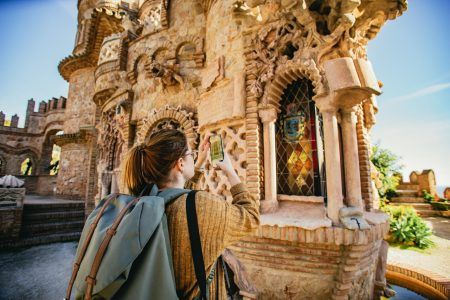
<point x="188" y="164"/>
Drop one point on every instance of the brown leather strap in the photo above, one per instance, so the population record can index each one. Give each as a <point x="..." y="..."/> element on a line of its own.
<point x="76" y="265"/>
<point x="91" y="278"/>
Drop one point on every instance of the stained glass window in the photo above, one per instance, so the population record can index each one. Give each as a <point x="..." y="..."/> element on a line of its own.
<point x="299" y="140"/>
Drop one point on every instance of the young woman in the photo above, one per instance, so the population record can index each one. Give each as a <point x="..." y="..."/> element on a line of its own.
<point x="167" y="160"/>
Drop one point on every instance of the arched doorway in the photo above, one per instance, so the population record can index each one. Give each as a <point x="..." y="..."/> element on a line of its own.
<point x="51" y="153"/>
<point x="27" y="167"/>
<point x="299" y="143"/>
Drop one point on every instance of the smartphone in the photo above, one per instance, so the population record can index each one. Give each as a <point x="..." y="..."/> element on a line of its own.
<point x="216" y="149"/>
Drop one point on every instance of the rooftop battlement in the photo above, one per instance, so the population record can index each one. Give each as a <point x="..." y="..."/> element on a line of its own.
<point x="45" y="108"/>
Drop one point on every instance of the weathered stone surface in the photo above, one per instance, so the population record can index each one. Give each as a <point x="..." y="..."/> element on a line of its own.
<point x="16" y="195"/>
<point x="10" y="223"/>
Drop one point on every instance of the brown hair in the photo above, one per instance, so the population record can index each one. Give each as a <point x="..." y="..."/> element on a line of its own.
<point x="152" y="161"/>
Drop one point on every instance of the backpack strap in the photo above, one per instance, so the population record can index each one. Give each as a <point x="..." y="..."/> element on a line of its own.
<point x="76" y="265"/>
<point x="91" y="278"/>
<point x="196" y="246"/>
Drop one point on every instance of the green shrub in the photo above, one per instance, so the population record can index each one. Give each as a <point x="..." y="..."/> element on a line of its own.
<point x="389" y="168"/>
<point x="427" y="196"/>
<point x="407" y="227"/>
<point x="441" y="205"/>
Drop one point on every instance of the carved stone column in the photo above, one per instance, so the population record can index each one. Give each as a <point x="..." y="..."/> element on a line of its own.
<point x="332" y="157"/>
<point x="351" y="158"/>
<point x="268" y="117"/>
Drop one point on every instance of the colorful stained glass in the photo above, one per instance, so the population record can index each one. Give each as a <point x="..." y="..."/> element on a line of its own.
<point x="298" y="171"/>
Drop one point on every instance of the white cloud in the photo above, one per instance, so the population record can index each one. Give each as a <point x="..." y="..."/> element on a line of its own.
<point x="422" y="92"/>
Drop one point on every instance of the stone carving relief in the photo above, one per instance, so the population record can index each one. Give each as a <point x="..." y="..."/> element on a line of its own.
<point x="169" y="117"/>
<point x="110" y="49"/>
<point x="299" y="30"/>
<point x="153" y="14"/>
<point x="276" y="49"/>
<point x="165" y="75"/>
<point x="169" y="65"/>
<point x="214" y="181"/>
<point x="111" y="137"/>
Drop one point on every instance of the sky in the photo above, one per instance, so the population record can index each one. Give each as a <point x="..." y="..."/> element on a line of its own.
<point x="410" y="55"/>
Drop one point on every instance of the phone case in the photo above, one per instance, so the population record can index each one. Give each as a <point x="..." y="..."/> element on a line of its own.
<point x="216" y="149"/>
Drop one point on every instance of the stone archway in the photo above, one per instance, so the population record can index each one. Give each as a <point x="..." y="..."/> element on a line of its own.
<point x="288" y="73"/>
<point x="184" y="118"/>
<point x="46" y="158"/>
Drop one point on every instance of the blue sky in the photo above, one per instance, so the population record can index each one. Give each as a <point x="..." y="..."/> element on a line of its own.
<point x="411" y="56"/>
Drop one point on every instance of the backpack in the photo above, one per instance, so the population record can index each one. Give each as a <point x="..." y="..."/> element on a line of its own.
<point x="125" y="249"/>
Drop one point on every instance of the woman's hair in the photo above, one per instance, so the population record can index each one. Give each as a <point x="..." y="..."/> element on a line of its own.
<point x="152" y="161"/>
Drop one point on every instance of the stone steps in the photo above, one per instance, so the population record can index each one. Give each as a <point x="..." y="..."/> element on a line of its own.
<point x="52" y="207"/>
<point x="406" y="193"/>
<point x="29" y="230"/>
<point x="422" y="209"/>
<point x="53" y="216"/>
<point x="417" y="206"/>
<point x="51" y="222"/>
<point x="428" y="213"/>
<point x="408" y="186"/>
<point x="407" y="200"/>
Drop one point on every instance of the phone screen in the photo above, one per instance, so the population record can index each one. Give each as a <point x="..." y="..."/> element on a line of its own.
<point x="216" y="149"/>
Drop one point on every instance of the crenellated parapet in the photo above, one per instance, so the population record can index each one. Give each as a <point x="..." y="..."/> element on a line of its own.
<point x="49" y="111"/>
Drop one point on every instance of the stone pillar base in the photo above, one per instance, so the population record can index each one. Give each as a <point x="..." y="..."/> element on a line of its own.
<point x="268" y="206"/>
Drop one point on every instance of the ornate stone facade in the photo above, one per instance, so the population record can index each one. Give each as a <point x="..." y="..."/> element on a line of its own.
<point x="289" y="87"/>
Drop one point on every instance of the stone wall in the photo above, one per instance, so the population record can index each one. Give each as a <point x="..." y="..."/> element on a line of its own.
<point x="11" y="206"/>
<point x="10" y="224"/>
<point x="80" y="110"/>
<point x="39" y="184"/>
<point x="71" y="181"/>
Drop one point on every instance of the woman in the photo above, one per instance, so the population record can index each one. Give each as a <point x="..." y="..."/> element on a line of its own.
<point x="167" y="160"/>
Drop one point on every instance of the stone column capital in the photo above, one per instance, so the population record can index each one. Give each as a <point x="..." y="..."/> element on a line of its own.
<point x="268" y="115"/>
<point x="348" y="114"/>
<point x="327" y="103"/>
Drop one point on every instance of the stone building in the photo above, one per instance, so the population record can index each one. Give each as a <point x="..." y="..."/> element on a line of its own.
<point x="34" y="142"/>
<point x="288" y="86"/>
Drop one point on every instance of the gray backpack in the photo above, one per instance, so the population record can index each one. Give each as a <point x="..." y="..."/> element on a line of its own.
<point x="124" y="251"/>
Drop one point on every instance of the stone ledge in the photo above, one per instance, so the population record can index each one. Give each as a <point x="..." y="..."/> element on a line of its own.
<point x="304" y="199"/>
<point x="419" y="280"/>
<point x="323" y="235"/>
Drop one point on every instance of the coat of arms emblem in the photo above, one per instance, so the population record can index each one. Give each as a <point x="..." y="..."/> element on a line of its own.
<point x="293" y="124"/>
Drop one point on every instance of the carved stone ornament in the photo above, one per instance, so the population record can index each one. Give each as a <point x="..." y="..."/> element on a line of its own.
<point x="165" y="74"/>
<point x="296" y="32"/>
<point x="153" y="15"/>
<point x="184" y="118"/>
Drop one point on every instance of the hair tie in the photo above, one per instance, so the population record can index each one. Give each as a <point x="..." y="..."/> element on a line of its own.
<point x="140" y="147"/>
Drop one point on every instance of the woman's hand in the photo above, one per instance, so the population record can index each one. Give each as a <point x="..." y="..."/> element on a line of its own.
<point x="227" y="167"/>
<point x="203" y="150"/>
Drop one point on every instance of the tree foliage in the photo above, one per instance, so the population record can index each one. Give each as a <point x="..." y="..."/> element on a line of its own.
<point x="389" y="168"/>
